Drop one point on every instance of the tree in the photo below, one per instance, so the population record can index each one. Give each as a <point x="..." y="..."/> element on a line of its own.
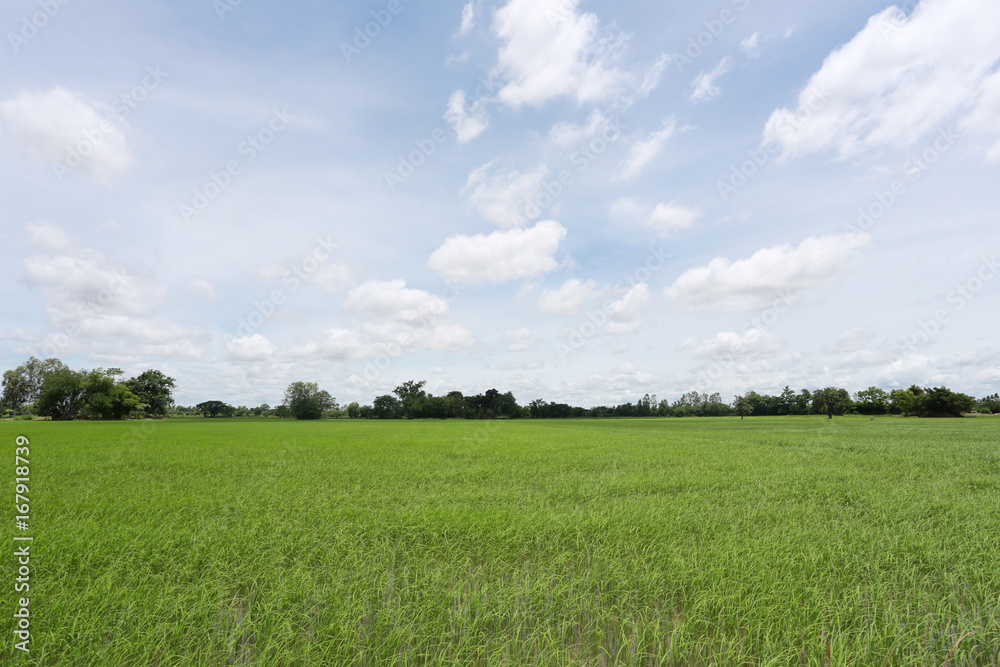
<point x="215" y="409"/>
<point x="942" y="402"/>
<point x="873" y="401"/>
<point x="742" y="407"/>
<point x="989" y="405"/>
<point x="831" y="401"/>
<point x="305" y="400"/>
<point x="905" y="401"/>
<point x="802" y="402"/>
<point x="353" y="410"/>
<point x="387" y="407"/>
<point x="23" y="385"/>
<point x="106" y="398"/>
<point x="410" y="394"/>
<point x="62" y="395"/>
<point x="154" y="390"/>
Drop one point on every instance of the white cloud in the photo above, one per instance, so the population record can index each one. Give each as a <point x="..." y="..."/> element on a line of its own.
<point x="652" y="77"/>
<point x="629" y="376"/>
<point x="506" y="198"/>
<point x="756" y="282"/>
<point x="339" y="345"/>
<point x="98" y="305"/>
<point x="704" y="86"/>
<point x="501" y="256"/>
<point x="91" y="282"/>
<point x="467" y="122"/>
<point x="520" y="340"/>
<point x="984" y="119"/>
<point x="468" y="18"/>
<point x="397" y="315"/>
<point x="460" y="59"/>
<point x="550" y="50"/>
<point x="565" y="135"/>
<point x="629" y="313"/>
<point x="666" y="219"/>
<point x="48" y="129"/>
<point x="253" y="348"/>
<point x="394" y="301"/>
<point x="644" y="151"/>
<point x="754" y="344"/>
<point x="567" y="299"/>
<point x="751" y="46"/>
<point x="663" y="219"/>
<point x="47" y="237"/>
<point x="895" y="81"/>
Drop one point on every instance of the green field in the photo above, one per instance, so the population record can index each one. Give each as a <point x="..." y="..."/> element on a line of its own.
<point x="767" y="541"/>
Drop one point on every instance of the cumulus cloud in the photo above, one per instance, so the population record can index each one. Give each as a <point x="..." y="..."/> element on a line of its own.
<point x="89" y="281"/>
<point x="501" y="256"/>
<point x="468" y="122"/>
<point x="704" y="86"/>
<point x="896" y="80"/>
<point x="49" y="129"/>
<point x="753" y="344"/>
<point x="395" y="315"/>
<point x="506" y="198"/>
<point x="755" y="282"/>
<point x="629" y="376"/>
<point x="664" y="220"/>
<point x="394" y="301"/>
<point x="99" y="305"/>
<point x="646" y="150"/>
<point x="628" y="314"/>
<point x="567" y="299"/>
<point x="551" y="50"/>
<point x="338" y="345"/>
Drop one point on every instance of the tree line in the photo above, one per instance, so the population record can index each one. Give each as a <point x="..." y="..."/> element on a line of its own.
<point x="51" y="389"/>
<point x="410" y="401"/>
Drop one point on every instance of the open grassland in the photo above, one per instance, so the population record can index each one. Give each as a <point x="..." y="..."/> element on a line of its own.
<point x="785" y="541"/>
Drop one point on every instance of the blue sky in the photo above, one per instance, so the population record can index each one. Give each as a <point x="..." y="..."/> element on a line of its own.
<point x="573" y="200"/>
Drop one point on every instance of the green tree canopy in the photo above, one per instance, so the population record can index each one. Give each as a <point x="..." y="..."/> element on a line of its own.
<point x="215" y="409"/>
<point x="105" y="398"/>
<point x="873" y="401"/>
<point x="63" y="394"/>
<point x="23" y="385"/>
<point x="942" y="402"/>
<point x="154" y="390"/>
<point x="831" y="401"/>
<point x="305" y="400"/>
